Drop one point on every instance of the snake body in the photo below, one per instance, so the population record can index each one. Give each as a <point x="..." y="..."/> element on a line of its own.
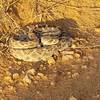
<point x="38" y="45"/>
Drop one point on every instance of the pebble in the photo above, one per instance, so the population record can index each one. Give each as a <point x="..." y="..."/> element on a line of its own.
<point x="26" y="80"/>
<point x="84" y="67"/>
<point x="8" y="73"/>
<point x="35" y="82"/>
<point x="72" y="98"/>
<point x="51" y="61"/>
<point x="42" y="76"/>
<point x="96" y="96"/>
<point x="69" y="73"/>
<point x="87" y="77"/>
<point x="8" y="79"/>
<point x="31" y="71"/>
<point x="75" y="75"/>
<point x="19" y="62"/>
<point x="9" y="89"/>
<point x="42" y="67"/>
<point x="15" y="76"/>
<point x="52" y="83"/>
<point x="90" y="57"/>
<point x="73" y="46"/>
<point x="39" y="93"/>
<point x="12" y="88"/>
<point x="1" y="90"/>
<point x="97" y="30"/>
<point x="77" y="55"/>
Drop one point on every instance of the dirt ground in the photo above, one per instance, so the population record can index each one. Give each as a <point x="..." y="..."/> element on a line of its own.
<point x="75" y="78"/>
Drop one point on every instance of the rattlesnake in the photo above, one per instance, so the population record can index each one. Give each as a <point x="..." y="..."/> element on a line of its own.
<point x="38" y="44"/>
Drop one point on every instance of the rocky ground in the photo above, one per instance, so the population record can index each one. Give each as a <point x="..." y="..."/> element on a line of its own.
<point x="75" y="76"/>
<point x="71" y="77"/>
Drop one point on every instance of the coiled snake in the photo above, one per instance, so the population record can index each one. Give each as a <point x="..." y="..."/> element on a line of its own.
<point x="38" y="44"/>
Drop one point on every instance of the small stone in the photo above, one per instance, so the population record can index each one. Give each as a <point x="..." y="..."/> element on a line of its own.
<point x="2" y="99"/>
<point x="1" y="90"/>
<point x="23" y="72"/>
<point x="39" y="93"/>
<point x="19" y="62"/>
<point x="97" y="30"/>
<point x="21" y="83"/>
<point x="85" y="58"/>
<point x="9" y="89"/>
<point x="51" y="61"/>
<point x="52" y="83"/>
<point x="75" y="75"/>
<point x="35" y="82"/>
<point x="8" y="73"/>
<point x="12" y="88"/>
<point x="90" y="57"/>
<point x="26" y="80"/>
<point x="73" y="46"/>
<point x="41" y="65"/>
<point x="87" y="77"/>
<point x="15" y="76"/>
<point x="72" y="98"/>
<point x="31" y="71"/>
<point x="84" y="67"/>
<point x="42" y="76"/>
<point x="69" y="73"/>
<point x="8" y="79"/>
<point x="77" y="55"/>
<point x="97" y="95"/>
